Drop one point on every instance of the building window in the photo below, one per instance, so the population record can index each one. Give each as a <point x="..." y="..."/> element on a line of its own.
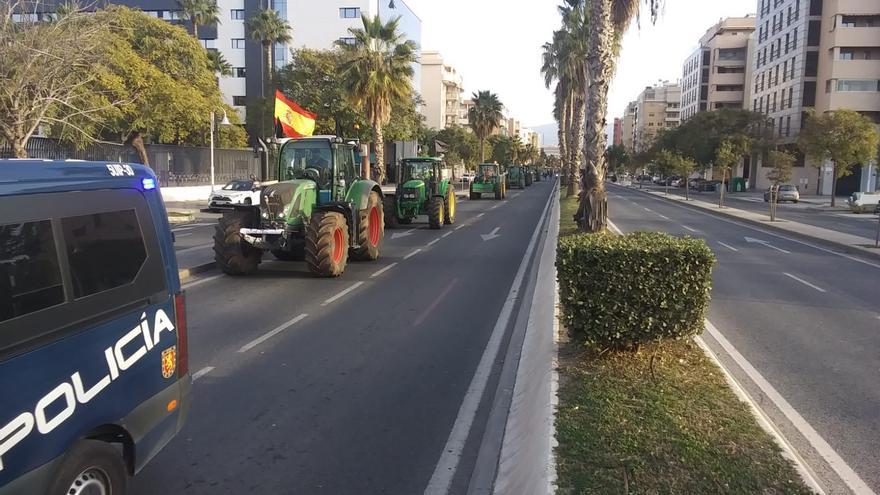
<point x="238" y="43"/>
<point x="237" y="14"/>
<point x="860" y="85"/>
<point x="239" y="72"/>
<point x="350" y="12"/>
<point x="729" y="87"/>
<point x="239" y="101"/>
<point x="788" y="125"/>
<point x="790" y="93"/>
<point x="348" y="41"/>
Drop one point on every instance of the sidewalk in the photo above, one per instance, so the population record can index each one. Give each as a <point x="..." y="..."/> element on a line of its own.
<point x="846" y="242"/>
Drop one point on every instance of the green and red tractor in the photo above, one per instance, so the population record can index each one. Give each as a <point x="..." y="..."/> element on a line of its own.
<point x="421" y="190"/>
<point x="490" y="179"/>
<point x="319" y="210"/>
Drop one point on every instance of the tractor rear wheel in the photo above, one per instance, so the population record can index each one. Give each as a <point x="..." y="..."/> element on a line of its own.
<point x="371" y="229"/>
<point x="499" y="191"/>
<point x="327" y="244"/>
<point x="474" y="195"/>
<point x="389" y="208"/>
<point x="450" y="206"/>
<point x="233" y="255"/>
<point x="436" y="213"/>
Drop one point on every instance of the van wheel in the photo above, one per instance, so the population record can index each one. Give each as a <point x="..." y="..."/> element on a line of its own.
<point x="232" y="254"/>
<point x="91" y="466"/>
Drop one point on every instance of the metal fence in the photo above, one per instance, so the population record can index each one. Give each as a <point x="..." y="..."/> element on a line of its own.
<point x="174" y="165"/>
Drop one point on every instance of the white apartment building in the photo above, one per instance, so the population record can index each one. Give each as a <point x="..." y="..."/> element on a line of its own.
<point x="656" y="108"/>
<point x="441" y="89"/>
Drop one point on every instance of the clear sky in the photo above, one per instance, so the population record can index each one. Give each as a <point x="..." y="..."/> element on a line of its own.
<point x="496" y="44"/>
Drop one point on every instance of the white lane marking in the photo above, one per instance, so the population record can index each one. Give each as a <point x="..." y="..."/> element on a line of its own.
<point x="410" y="255"/>
<point x="460" y="227"/>
<point x="614" y="228"/>
<point x="200" y="281"/>
<point x="491" y="235"/>
<point x="689" y="228"/>
<point x="664" y="217"/>
<point x="452" y="451"/>
<point x="268" y="335"/>
<point x="398" y="235"/>
<point x="446" y="234"/>
<point x="194" y="248"/>
<point x="191" y="226"/>
<point x="202" y="372"/>
<point x="846" y="473"/>
<point x="779" y="236"/>
<point x="728" y="246"/>
<point x="342" y="293"/>
<point x="178" y="236"/>
<point x="435" y="241"/>
<point x="766" y="244"/>
<point x="383" y="270"/>
<point x="804" y="282"/>
<point x="478" y="216"/>
<point x="647" y="209"/>
<point x="496" y="206"/>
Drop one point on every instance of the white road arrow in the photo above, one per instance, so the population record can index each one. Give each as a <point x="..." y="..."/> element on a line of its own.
<point x="751" y="240"/>
<point x="491" y="235"/>
<point x="397" y="235"/>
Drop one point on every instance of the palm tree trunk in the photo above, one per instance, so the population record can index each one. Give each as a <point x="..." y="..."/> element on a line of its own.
<point x="380" y="152"/>
<point x="482" y="150"/>
<point x="834" y="185"/>
<point x="195" y="30"/>
<point x="563" y="141"/>
<point x="576" y="146"/>
<point x="592" y="214"/>
<point x="268" y="81"/>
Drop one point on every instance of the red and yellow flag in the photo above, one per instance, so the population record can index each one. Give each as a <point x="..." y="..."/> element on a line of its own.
<point x="294" y="120"/>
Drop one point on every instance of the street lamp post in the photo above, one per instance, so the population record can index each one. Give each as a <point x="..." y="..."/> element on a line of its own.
<point x="225" y="121"/>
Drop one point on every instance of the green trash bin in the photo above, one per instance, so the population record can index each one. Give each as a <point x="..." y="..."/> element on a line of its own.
<point x="737" y="184"/>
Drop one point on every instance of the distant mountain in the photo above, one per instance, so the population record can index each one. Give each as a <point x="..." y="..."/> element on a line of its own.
<point x="548" y="133"/>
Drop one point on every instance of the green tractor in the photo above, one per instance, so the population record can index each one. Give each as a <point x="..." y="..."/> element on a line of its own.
<point x="516" y="177"/>
<point x="529" y="175"/>
<point x="490" y="179"/>
<point x="421" y="190"/>
<point x="319" y="210"/>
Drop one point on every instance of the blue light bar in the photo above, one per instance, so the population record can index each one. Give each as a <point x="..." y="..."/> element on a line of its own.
<point x="149" y="183"/>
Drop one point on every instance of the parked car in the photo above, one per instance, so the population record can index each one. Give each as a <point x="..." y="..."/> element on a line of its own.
<point x="787" y="192"/>
<point x="236" y="192"/>
<point x="693" y="183"/>
<point x="861" y="202"/>
<point x="708" y="185"/>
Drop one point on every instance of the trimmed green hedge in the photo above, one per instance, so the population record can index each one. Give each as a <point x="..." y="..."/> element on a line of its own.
<point x="622" y="291"/>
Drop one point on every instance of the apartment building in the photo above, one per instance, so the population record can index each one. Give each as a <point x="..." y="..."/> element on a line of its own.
<point x="441" y="89"/>
<point x="617" y="132"/>
<point x="530" y="137"/>
<point x="819" y="55"/>
<point x="627" y="126"/>
<point x="656" y="108"/>
<point x="464" y="109"/>
<point x="714" y="76"/>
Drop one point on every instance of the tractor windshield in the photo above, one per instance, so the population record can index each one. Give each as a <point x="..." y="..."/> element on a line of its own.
<point x="419" y="170"/>
<point x="487" y="171"/>
<point x="302" y="162"/>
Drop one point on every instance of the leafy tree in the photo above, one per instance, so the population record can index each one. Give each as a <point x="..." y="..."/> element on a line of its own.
<point x="485" y="117"/>
<point x="530" y="154"/>
<point x="377" y="72"/>
<point x="844" y="137"/>
<point x="504" y="150"/>
<point x="780" y="164"/>
<point x="406" y="123"/>
<point x="267" y="27"/>
<point x="200" y="13"/>
<point x="218" y="64"/>
<point x="462" y="146"/>
<point x="731" y="150"/>
<point x="617" y="158"/>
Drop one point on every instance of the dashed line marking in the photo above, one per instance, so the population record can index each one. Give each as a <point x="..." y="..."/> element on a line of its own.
<point x="268" y="335"/>
<point x="410" y="255"/>
<point x="383" y="270"/>
<point x="201" y="281"/>
<point x="342" y="293"/>
<point x="496" y="206"/>
<point x="647" y="209"/>
<point x="177" y="236"/>
<point x="459" y="227"/>
<point x="435" y="241"/>
<point x="793" y="277"/>
<point x="728" y="246"/>
<point x="194" y="248"/>
<point x="688" y="228"/>
<point x="478" y="216"/>
<point x="664" y="217"/>
<point x="202" y="372"/>
<point x="446" y="234"/>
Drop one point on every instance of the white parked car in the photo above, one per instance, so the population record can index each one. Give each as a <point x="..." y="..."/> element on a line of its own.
<point x="863" y="202"/>
<point x="236" y="192"/>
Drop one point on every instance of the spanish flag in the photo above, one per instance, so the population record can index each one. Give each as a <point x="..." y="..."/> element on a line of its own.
<point x="294" y="121"/>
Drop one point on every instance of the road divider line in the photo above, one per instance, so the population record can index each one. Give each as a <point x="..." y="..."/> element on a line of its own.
<point x="793" y="277"/>
<point x="435" y="241"/>
<point x="647" y="209"/>
<point x="342" y="293"/>
<point x="268" y="335"/>
<point x="446" y="234"/>
<point x="459" y="227"/>
<point x="436" y="302"/>
<point x="728" y="246"/>
<point x="496" y="206"/>
<point x="614" y="228"/>
<point x="410" y="255"/>
<point x="194" y="248"/>
<point x="478" y="216"/>
<point x="664" y="217"/>
<point x="689" y="228"/>
<point x="200" y="281"/>
<point x="177" y="236"/>
<point x="451" y="454"/>
<point x="202" y="372"/>
<point x="383" y="270"/>
<point x="846" y="473"/>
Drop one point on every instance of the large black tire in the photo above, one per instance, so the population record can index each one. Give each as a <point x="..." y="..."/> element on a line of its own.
<point x="232" y="255"/>
<point x="499" y="190"/>
<point x="327" y="244"/>
<point x="450" y="206"/>
<point x="389" y="208"/>
<point x="90" y="463"/>
<point x="436" y="213"/>
<point x="404" y="221"/>
<point x="474" y="195"/>
<point x="371" y="229"/>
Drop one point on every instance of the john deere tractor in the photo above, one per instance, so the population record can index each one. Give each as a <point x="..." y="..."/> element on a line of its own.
<point x="319" y="210"/>
<point x="421" y="190"/>
<point x="516" y="177"/>
<point x="490" y="179"/>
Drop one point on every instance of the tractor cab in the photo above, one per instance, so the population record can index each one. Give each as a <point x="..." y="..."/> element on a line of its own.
<point x="516" y="177"/>
<point x="324" y="164"/>
<point x="490" y="179"/>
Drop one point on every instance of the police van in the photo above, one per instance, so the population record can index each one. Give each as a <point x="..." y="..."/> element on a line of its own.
<point x="94" y="376"/>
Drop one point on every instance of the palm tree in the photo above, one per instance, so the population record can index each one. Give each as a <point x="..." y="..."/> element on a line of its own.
<point x="217" y="63"/>
<point x="484" y="117"/>
<point x="609" y="20"/>
<point x="200" y="13"/>
<point x="267" y="27"/>
<point x="377" y="71"/>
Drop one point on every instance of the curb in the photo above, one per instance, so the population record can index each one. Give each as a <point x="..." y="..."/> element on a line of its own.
<point x="847" y="248"/>
<point x="185" y="273"/>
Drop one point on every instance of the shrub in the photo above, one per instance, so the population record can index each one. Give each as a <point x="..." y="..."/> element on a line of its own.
<point x="622" y="291"/>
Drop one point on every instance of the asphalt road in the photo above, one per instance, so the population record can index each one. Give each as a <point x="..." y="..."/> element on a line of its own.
<point x="860" y="224"/>
<point x="806" y="318"/>
<point x="348" y="385"/>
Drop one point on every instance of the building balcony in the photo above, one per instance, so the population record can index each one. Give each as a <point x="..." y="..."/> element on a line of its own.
<point x="855" y="36"/>
<point x="856" y="69"/>
<point x="727" y="79"/>
<point x="868" y="101"/>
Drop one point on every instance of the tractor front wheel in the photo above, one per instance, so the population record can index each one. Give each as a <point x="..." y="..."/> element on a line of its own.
<point x="436" y="213"/>
<point x="233" y="255"/>
<point x="389" y="208"/>
<point x="371" y="229"/>
<point x="450" y="206"/>
<point x="327" y="244"/>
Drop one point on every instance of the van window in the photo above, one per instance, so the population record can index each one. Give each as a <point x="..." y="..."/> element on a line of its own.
<point x="30" y="276"/>
<point x="105" y="250"/>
